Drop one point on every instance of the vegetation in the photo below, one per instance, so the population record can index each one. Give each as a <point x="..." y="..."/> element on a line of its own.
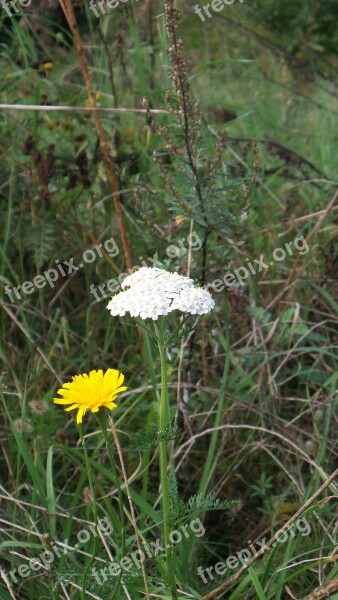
<point x="207" y="149"/>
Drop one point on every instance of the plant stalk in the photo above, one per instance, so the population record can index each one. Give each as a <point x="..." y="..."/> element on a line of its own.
<point x="164" y="421"/>
<point x="93" y="507"/>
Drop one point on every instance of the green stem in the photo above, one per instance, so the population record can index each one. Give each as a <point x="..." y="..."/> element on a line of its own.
<point x="103" y="424"/>
<point x="93" y="507"/>
<point x="164" y="421"/>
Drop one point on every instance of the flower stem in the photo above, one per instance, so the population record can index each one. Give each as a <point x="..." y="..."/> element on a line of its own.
<point x="93" y="507"/>
<point x="164" y="421"/>
<point x="103" y="424"/>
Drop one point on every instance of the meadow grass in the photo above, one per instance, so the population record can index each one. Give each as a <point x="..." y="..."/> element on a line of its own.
<point x="252" y="389"/>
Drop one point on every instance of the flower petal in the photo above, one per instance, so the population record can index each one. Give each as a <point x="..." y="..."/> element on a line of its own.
<point x="61" y="401"/>
<point x="80" y="414"/>
<point x="121" y="389"/>
<point x="110" y="405"/>
<point x="72" y="407"/>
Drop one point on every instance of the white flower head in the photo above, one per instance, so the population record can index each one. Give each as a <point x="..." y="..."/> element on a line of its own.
<point x="153" y="292"/>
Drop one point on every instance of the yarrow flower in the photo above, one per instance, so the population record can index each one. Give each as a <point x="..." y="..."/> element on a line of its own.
<point x="91" y="392"/>
<point x="153" y="292"/>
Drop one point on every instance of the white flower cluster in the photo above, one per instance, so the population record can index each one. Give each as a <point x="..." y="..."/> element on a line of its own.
<point x="153" y="292"/>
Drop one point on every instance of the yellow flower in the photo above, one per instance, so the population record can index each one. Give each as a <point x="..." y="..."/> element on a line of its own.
<point x="90" y="392"/>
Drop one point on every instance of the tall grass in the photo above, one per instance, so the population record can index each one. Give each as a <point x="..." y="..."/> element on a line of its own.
<point x="252" y="389"/>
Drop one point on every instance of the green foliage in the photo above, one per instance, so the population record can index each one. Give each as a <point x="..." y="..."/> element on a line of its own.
<point x="307" y="27"/>
<point x="144" y="440"/>
<point x="196" y="504"/>
<point x="39" y="239"/>
<point x="256" y="398"/>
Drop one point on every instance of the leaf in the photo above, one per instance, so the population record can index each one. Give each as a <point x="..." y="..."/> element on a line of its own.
<point x="197" y="504"/>
<point x="143" y="440"/>
<point x="28" y="460"/>
<point x="257" y="585"/>
<point x="40" y="239"/>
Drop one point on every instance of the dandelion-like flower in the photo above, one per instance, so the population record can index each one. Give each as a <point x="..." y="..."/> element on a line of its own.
<point x="154" y="292"/>
<point x="91" y="392"/>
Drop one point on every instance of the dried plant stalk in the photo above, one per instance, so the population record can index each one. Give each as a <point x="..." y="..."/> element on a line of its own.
<point x="69" y="14"/>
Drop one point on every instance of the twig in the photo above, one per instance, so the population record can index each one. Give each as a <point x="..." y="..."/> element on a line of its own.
<point x="28" y="336"/>
<point x="274" y="538"/>
<point x="324" y="591"/>
<point x="298" y="257"/>
<point x="43" y="107"/>
<point x="68" y="10"/>
<point x="8" y="584"/>
<point x="132" y="512"/>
